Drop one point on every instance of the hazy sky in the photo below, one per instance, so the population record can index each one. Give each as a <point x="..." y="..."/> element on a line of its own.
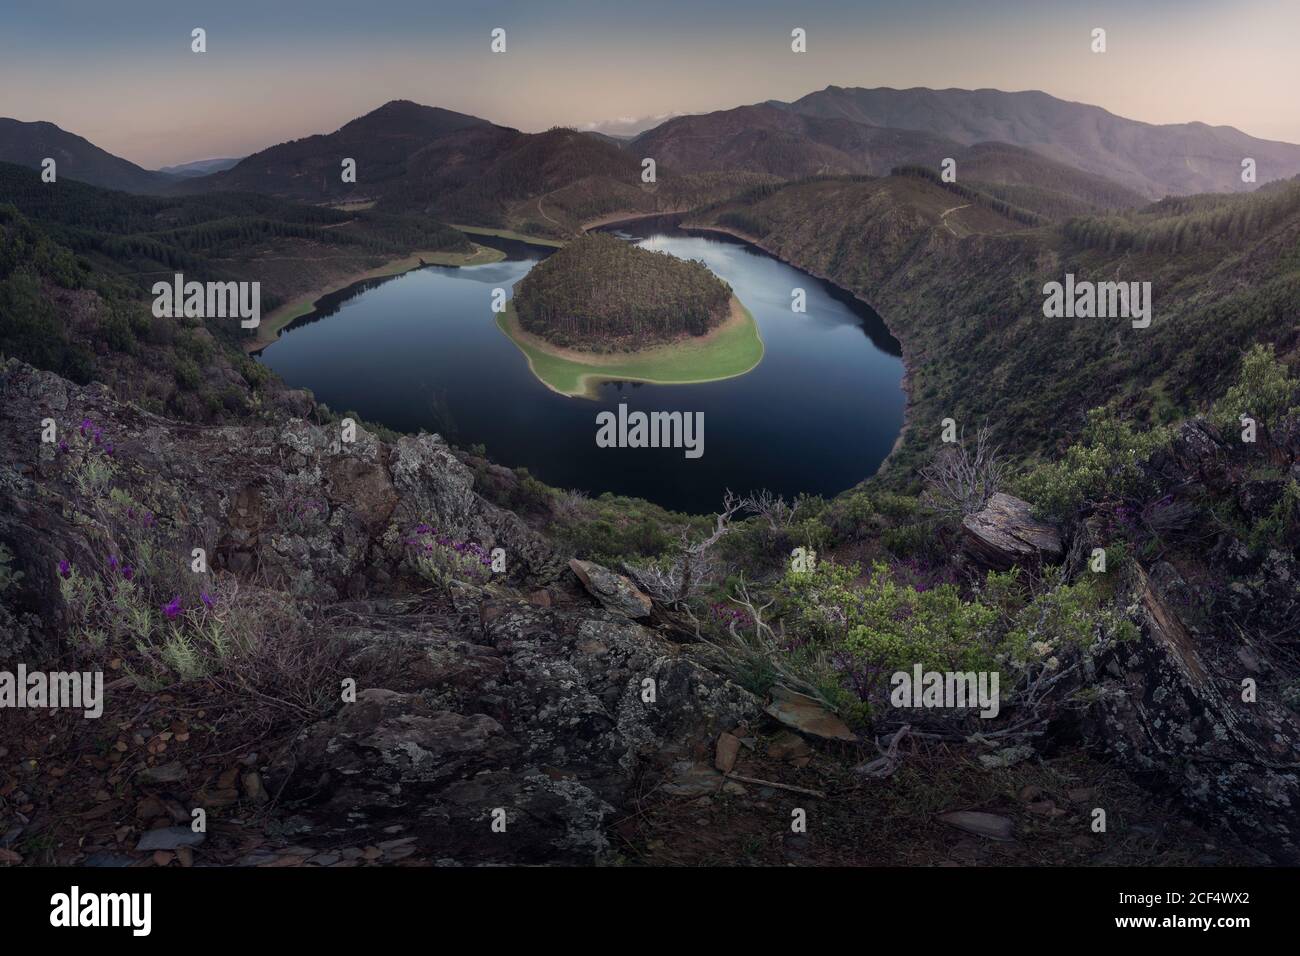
<point x="122" y="74"/>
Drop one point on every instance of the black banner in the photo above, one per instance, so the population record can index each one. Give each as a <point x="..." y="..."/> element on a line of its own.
<point x="339" y="905"/>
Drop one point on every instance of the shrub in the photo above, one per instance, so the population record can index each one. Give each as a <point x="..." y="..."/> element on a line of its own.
<point x="1281" y="526"/>
<point x="883" y="626"/>
<point x="841" y="639"/>
<point x="1264" y="390"/>
<point x="186" y="374"/>
<point x="1046" y="619"/>
<point x="1107" y="463"/>
<point x="961" y="479"/>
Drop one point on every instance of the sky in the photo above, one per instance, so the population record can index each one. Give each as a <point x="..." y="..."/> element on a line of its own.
<point x="122" y="74"/>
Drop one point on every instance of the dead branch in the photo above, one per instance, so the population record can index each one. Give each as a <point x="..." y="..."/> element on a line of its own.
<point x="962" y="480"/>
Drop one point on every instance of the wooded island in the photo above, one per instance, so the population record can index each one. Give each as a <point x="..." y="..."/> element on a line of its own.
<point x="602" y="294"/>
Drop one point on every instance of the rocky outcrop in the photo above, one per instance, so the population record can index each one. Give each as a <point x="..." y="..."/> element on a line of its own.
<point x="505" y="718"/>
<point x="1202" y="704"/>
<point x="536" y="720"/>
<point x="614" y="592"/>
<point x="1186" y="709"/>
<point x="1005" y="533"/>
<point x="485" y="728"/>
<point x="288" y="502"/>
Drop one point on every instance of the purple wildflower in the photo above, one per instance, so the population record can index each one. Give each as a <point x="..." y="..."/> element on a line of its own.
<point x="112" y="562"/>
<point x="65" y="569"/>
<point x="128" y="572"/>
<point x="173" y="608"/>
<point x="63" y="445"/>
<point x="207" y="600"/>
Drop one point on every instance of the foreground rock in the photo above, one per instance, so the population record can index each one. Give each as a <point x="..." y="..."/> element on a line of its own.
<point x="539" y="718"/>
<point x="474" y="707"/>
<point x="615" y="592"/>
<point x="1202" y="705"/>
<point x="807" y="716"/>
<point x="1170" y="707"/>
<point x="1005" y="533"/>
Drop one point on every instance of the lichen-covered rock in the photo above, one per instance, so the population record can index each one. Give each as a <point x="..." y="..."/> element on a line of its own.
<point x="1005" y="533"/>
<point x="543" y="717"/>
<point x="436" y="487"/>
<point x="1172" y="706"/>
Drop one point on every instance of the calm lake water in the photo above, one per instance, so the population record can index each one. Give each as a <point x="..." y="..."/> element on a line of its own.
<point x="818" y="414"/>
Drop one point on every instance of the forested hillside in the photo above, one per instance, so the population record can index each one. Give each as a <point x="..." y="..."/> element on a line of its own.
<point x="59" y="312"/>
<point x="77" y="264"/>
<point x="310" y="169"/>
<point x="76" y="158"/>
<point x="289" y="247"/>
<point x="962" y="289"/>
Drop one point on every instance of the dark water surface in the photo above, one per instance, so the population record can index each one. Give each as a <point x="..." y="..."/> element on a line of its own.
<point x="421" y="350"/>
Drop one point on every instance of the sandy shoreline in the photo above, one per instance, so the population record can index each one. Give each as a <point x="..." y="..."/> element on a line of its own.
<point x="735" y="316"/>
<point x="524" y="341"/>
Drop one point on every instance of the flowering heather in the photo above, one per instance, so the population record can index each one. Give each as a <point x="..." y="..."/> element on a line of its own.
<point x="443" y="559"/>
<point x="724" y="615"/>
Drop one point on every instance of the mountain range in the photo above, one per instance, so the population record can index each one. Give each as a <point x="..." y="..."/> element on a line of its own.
<point x="469" y="169"/>
<point x="1174" y="159"/>
<point x="201" y="167"/>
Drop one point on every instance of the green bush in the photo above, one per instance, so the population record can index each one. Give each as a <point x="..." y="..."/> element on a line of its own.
<point x="186" y="374"/>
<point x="117" y="332"/>
<point x="882" y="626"/>
<point x="1264" y="390"/>
<point x="1043" y="622"/>
<point x="1281" y="526"/>
<point x="1106" y="464"/>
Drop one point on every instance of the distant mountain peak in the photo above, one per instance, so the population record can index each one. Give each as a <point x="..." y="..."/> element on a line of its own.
<point x="30" y="143"/>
